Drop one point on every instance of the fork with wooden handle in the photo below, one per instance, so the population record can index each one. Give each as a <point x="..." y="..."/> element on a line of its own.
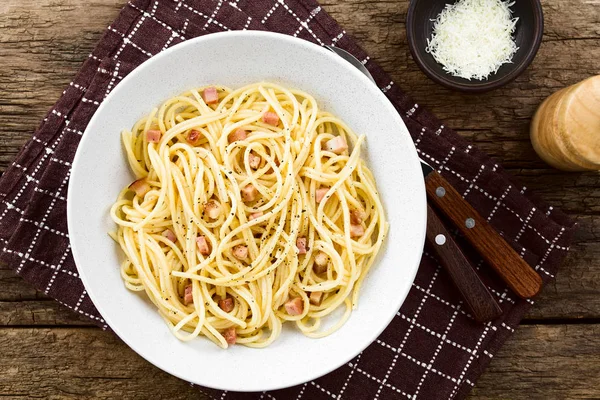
<point x="518" y="275"/>
<point x="479" y="300"/>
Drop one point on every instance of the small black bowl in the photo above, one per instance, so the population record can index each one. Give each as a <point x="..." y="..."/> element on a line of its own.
<point x="528" y="36"/>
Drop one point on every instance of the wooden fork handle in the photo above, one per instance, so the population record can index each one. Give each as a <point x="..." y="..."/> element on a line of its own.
<point x="520" y="277"/>
<point x="479" y="300"/>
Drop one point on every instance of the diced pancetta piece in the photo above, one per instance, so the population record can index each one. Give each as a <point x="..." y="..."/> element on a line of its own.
<point x="294" y="306"/>
<point x="210" y="95"/>
<point x="212" y="209"/>
<point x="315" y="298"/>
<point x="321" y="262"/>
<point x="337" y="145"/>
<point x="140" y="187"/>
<point x="238" y="134"/>
<point x="357" y="216"/>
<point x="249" y="193"/>
<point x="230" y="336"/>
<point x="301" y="245"/>
<point x="240" y="252"/>
<point x="356" y="230"/>
<point x="254" y="160"/>
<point x="153" y="135"/>
<point x="320" y="194"/>
<point x="226" y="304"/>
<point x="256" y="215"/>
<point x="194" y="137"/>
<point x="169" y="235"/>
<point x="270" y="118"/>
<point x="203" y="246"/>
<point x="187" y="295"/>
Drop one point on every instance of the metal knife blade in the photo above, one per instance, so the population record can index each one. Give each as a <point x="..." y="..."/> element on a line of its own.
<point x="427" y="169"/>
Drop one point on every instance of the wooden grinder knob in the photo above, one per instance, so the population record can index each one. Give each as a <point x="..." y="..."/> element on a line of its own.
<point x="565" y="131"/>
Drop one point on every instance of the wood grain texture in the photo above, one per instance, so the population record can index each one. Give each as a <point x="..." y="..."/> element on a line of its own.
<point x="518" y="275"/>
<point x="36" y="313"/>
<point x="42" y="46"/>
<point x="564" y="129"/>
<point x="82" y="363"/>
<point x="44" y="42"/>
<point x="478" y="298"/>
<point x="545" y="362"/>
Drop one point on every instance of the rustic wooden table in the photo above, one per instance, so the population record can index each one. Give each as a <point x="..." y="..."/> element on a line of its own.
<point x="47" y="351"/>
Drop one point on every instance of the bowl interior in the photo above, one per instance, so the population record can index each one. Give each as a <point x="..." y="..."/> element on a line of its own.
<point x="234" y="59"/>
<point x="527" y="38"/>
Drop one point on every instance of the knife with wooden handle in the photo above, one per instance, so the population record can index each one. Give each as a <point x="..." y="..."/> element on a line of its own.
<point x="519" y="276"/>
<point x="478" y="298"/>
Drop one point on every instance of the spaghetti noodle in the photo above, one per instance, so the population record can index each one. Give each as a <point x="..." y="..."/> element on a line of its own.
<point x="249" y="210"/>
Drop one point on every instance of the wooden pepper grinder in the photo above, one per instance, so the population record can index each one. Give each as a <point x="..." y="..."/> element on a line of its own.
<point x="565" y="131"/>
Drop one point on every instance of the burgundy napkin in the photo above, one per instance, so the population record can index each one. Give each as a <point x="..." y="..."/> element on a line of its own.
<point x="432" y="349"/>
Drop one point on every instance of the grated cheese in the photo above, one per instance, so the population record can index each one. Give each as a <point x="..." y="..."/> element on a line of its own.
<point x="472" y="38"/>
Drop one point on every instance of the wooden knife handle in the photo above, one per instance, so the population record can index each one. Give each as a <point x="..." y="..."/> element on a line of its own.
<point x="477" y="297"/>
<point x="519" y="276"/>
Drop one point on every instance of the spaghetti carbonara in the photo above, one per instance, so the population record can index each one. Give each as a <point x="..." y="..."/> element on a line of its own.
<point x="249" y="210"/>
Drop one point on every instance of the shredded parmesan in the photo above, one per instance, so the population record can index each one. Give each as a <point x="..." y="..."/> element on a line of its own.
<point x="473" y="38"/>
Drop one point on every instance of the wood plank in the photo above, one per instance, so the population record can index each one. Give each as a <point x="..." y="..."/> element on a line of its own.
<point x="30" y="313"/>
<point x="538" y="362"/>
<point x="80" y="363"/>
<point x="576" y="291"/>
<point x="43" y="44"/>
<point x="544" y="362"/>
<point x="14" y="288"/>
<point x="575" y="193"/>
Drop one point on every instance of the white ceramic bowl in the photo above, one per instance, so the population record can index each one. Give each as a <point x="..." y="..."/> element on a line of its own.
<point x="233" y="59"/>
